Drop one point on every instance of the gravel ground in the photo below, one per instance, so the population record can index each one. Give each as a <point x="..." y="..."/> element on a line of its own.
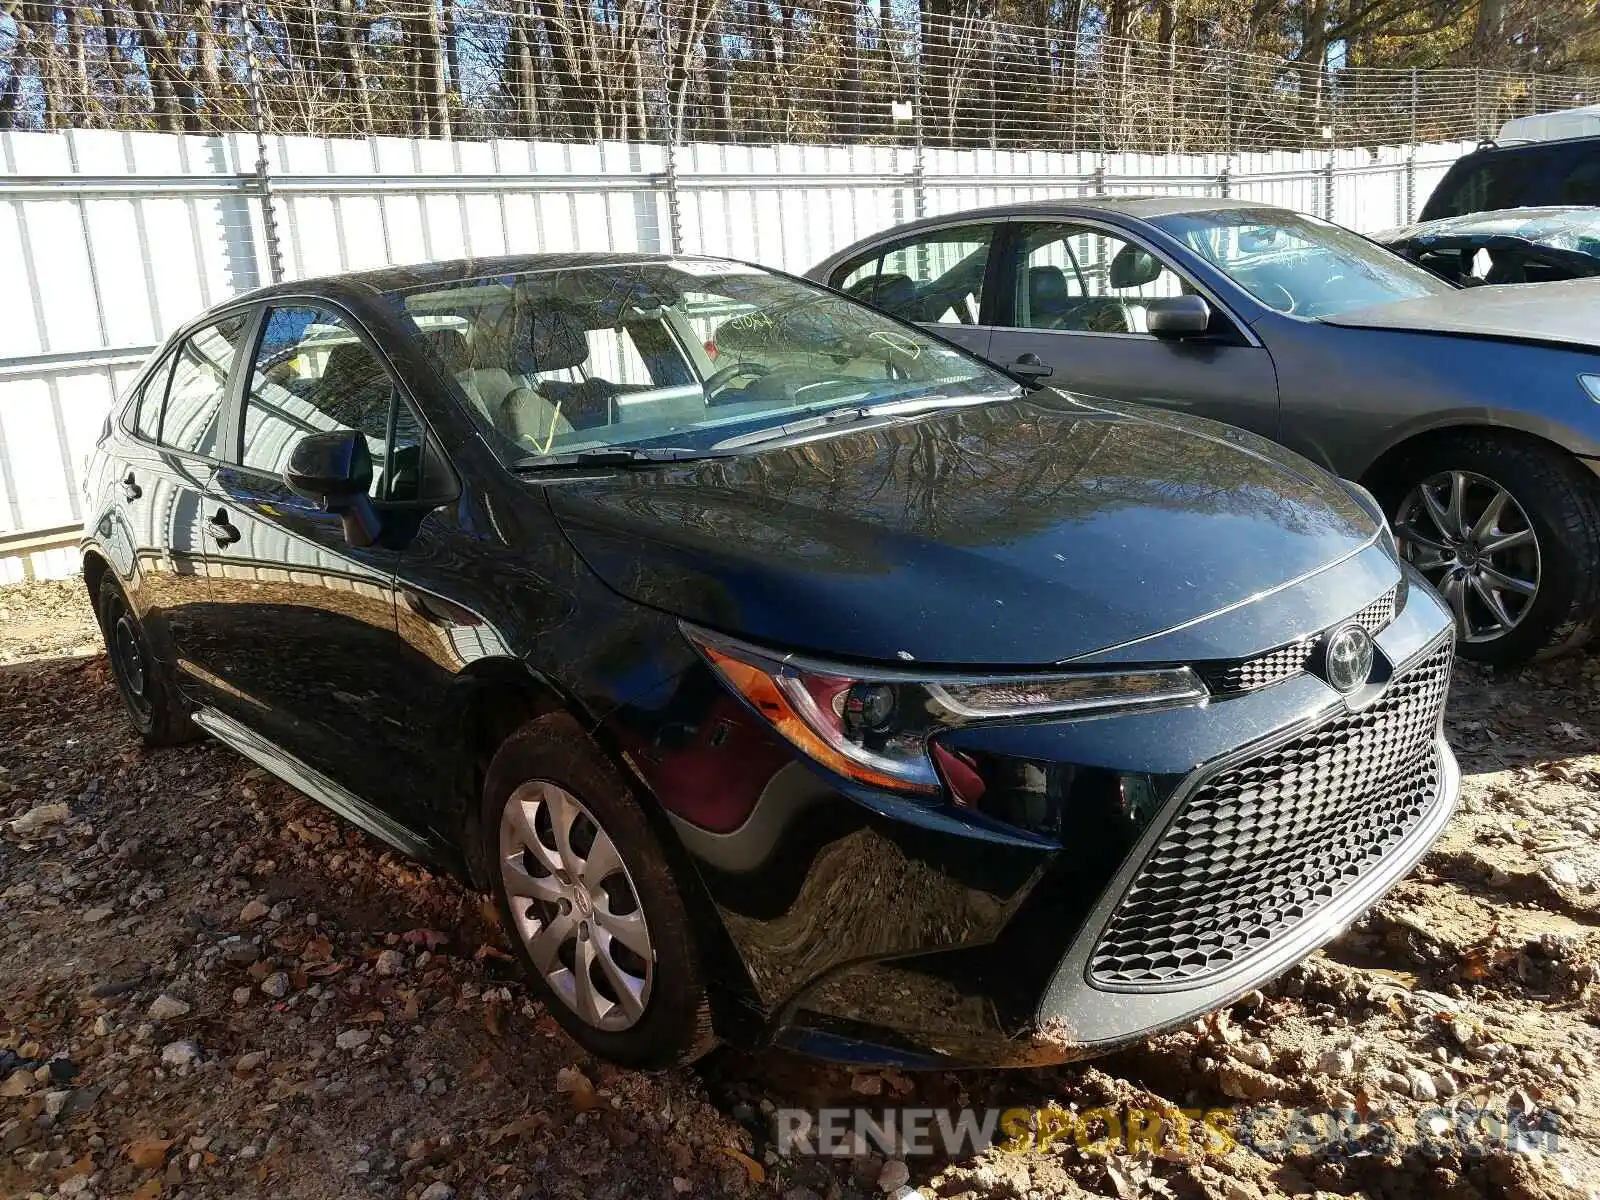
<point x="210" y="986"/>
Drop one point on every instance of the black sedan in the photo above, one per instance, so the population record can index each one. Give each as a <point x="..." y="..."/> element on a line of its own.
<point x="786" y="675"/>
<point x="1473" y="414"/>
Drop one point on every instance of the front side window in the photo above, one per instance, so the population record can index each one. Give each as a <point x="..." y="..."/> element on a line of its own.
<point x="680" y="354"/>
<point x="314" y="374"/>
<point x="936" y="278"/>
<point x="1085" y="279"/>
<point x="199" y="380"/>
<point x="1299" y="264"/>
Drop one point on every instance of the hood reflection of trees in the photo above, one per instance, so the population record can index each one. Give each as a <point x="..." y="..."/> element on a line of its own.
<point x="995" y="473"/>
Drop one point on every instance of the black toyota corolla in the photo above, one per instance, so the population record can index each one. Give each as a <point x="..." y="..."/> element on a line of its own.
<point x="786" y="674"/>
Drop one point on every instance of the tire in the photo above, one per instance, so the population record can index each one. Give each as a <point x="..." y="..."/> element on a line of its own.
<point x="149" y="693"/>
<point x="1551" y="495"/>
<point x="535" y="779"/>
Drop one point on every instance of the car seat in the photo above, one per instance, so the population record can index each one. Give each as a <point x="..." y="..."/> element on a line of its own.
<point x="556" y="339"/>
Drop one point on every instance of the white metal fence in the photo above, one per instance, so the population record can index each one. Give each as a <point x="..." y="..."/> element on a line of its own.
<point x="108" y="239"/>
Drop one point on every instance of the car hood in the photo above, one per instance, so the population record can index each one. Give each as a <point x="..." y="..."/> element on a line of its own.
<point x="1012" y="533"/>
<point x="1565" y="313"/>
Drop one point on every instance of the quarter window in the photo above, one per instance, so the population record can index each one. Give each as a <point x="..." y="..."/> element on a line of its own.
<point x="936" y="278"/>
<point x="146" y="408"/>
<point x="199" y="380"/>
<point x="314" y="374"/>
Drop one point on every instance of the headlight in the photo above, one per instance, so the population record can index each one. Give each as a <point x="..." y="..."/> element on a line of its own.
<point x="1591" y="384"/>
<point x="873" y="725"/>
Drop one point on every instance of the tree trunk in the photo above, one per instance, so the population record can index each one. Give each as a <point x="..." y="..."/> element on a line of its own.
<point x="521" y="78"/>
<point x="352" y="47"/>
<point x="205" y="54"/>
<point x="431" y="61"/>
<point x="166" y="80"/>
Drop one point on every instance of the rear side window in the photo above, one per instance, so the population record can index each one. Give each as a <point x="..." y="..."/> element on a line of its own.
<point x="935" y="277"/>
<point x="199" y="381"/>
<point x="314" y="374"/>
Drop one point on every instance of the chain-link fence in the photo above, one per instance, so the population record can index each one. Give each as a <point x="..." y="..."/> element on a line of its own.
<point x="740" y="71"/>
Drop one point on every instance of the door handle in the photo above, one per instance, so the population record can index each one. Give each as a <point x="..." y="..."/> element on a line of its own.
<point x="1027" y="366"/>
<point x="221" y="531"/>
<point x="130" y="487"/>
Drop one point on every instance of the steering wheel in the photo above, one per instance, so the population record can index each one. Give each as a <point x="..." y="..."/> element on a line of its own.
<point x="1265" y="296"/>
<point x="722" y="376"/>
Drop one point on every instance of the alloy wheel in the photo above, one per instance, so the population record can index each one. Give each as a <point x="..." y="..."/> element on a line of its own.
<point x="574" y="906"/>
<point x="1473" y="542"/>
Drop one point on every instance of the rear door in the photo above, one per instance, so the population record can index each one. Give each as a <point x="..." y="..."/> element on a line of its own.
<point x="306" y="621"/>
<point x="168" y="470"/>
<point x="1074" y="293"/>
<point x="937" y="278"/>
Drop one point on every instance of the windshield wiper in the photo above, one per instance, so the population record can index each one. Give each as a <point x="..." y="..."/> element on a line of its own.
<point x="614" y="456"/>
<point x="789" y="428"/>
<point x="903" y="407"/>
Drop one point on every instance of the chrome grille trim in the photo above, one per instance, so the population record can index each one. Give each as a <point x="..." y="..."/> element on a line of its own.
<point x="1264" y="670"/>
<point x="1262" y="845"/>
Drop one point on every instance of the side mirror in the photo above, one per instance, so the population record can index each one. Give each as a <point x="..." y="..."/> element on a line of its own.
<point x="334" y="472"/>
<point x="1177" y="316"/>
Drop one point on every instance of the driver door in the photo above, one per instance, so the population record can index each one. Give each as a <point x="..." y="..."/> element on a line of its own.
<point x="1074" y="293"/>
<point x="937" y="278"/>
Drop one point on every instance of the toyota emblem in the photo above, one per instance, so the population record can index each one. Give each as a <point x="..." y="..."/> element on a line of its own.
<point x="1348" y="658"/>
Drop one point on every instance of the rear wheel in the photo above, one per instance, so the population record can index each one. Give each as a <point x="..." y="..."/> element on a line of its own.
<point x="1508" y="530"/>
<point x="148" y="690"/>
<point x="588" y="902"/>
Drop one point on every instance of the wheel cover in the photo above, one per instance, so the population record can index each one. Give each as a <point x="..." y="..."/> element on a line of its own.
<point x="1474" y="543"/>
<point x="575" y="907"/>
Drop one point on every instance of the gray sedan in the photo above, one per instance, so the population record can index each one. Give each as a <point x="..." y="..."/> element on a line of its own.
<point x="1473" y="414"/>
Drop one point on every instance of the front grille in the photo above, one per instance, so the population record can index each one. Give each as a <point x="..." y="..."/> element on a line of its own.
<point x="1246" y="675"/>
<point x="1263" y="845"/>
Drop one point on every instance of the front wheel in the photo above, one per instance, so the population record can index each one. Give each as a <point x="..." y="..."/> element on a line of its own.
<point x="588" y="902"/>
<point x="1508" y="530"/>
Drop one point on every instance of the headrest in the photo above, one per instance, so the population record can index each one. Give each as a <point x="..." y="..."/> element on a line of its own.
<point x="1133" y="266"/>
<point x="1047" y="289"/>
<point x="351" y="363"/>
<point x="450" y="349"/>
<point x="556" y="340"/>
<point x="893" y="293"/>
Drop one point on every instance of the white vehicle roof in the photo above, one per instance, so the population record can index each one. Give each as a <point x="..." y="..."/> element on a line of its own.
<point x="1569" y="122"/>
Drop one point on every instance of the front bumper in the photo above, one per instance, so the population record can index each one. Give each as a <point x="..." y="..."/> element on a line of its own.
<point x="866" y="928"/>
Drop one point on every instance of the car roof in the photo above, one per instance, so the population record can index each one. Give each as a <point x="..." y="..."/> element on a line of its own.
<point x="420" y="275"/>
<point x="1131" y="206"/>
<point x="1531" y="146"/>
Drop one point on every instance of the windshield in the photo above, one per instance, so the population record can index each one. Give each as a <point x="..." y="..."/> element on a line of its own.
<point x="1298" y="264"/>
<point x="685" y="354"/>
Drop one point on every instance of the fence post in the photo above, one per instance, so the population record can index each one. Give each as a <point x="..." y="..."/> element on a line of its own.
<point x="258" y="122"/>
<point x="919" y="166"/>
<point x="1411" y="156"/>
<point x="674" y="133"/>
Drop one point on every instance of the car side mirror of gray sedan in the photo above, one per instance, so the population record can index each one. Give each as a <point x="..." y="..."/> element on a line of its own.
<point x="334" y="472"/>
<point x="1177" y="316"/>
